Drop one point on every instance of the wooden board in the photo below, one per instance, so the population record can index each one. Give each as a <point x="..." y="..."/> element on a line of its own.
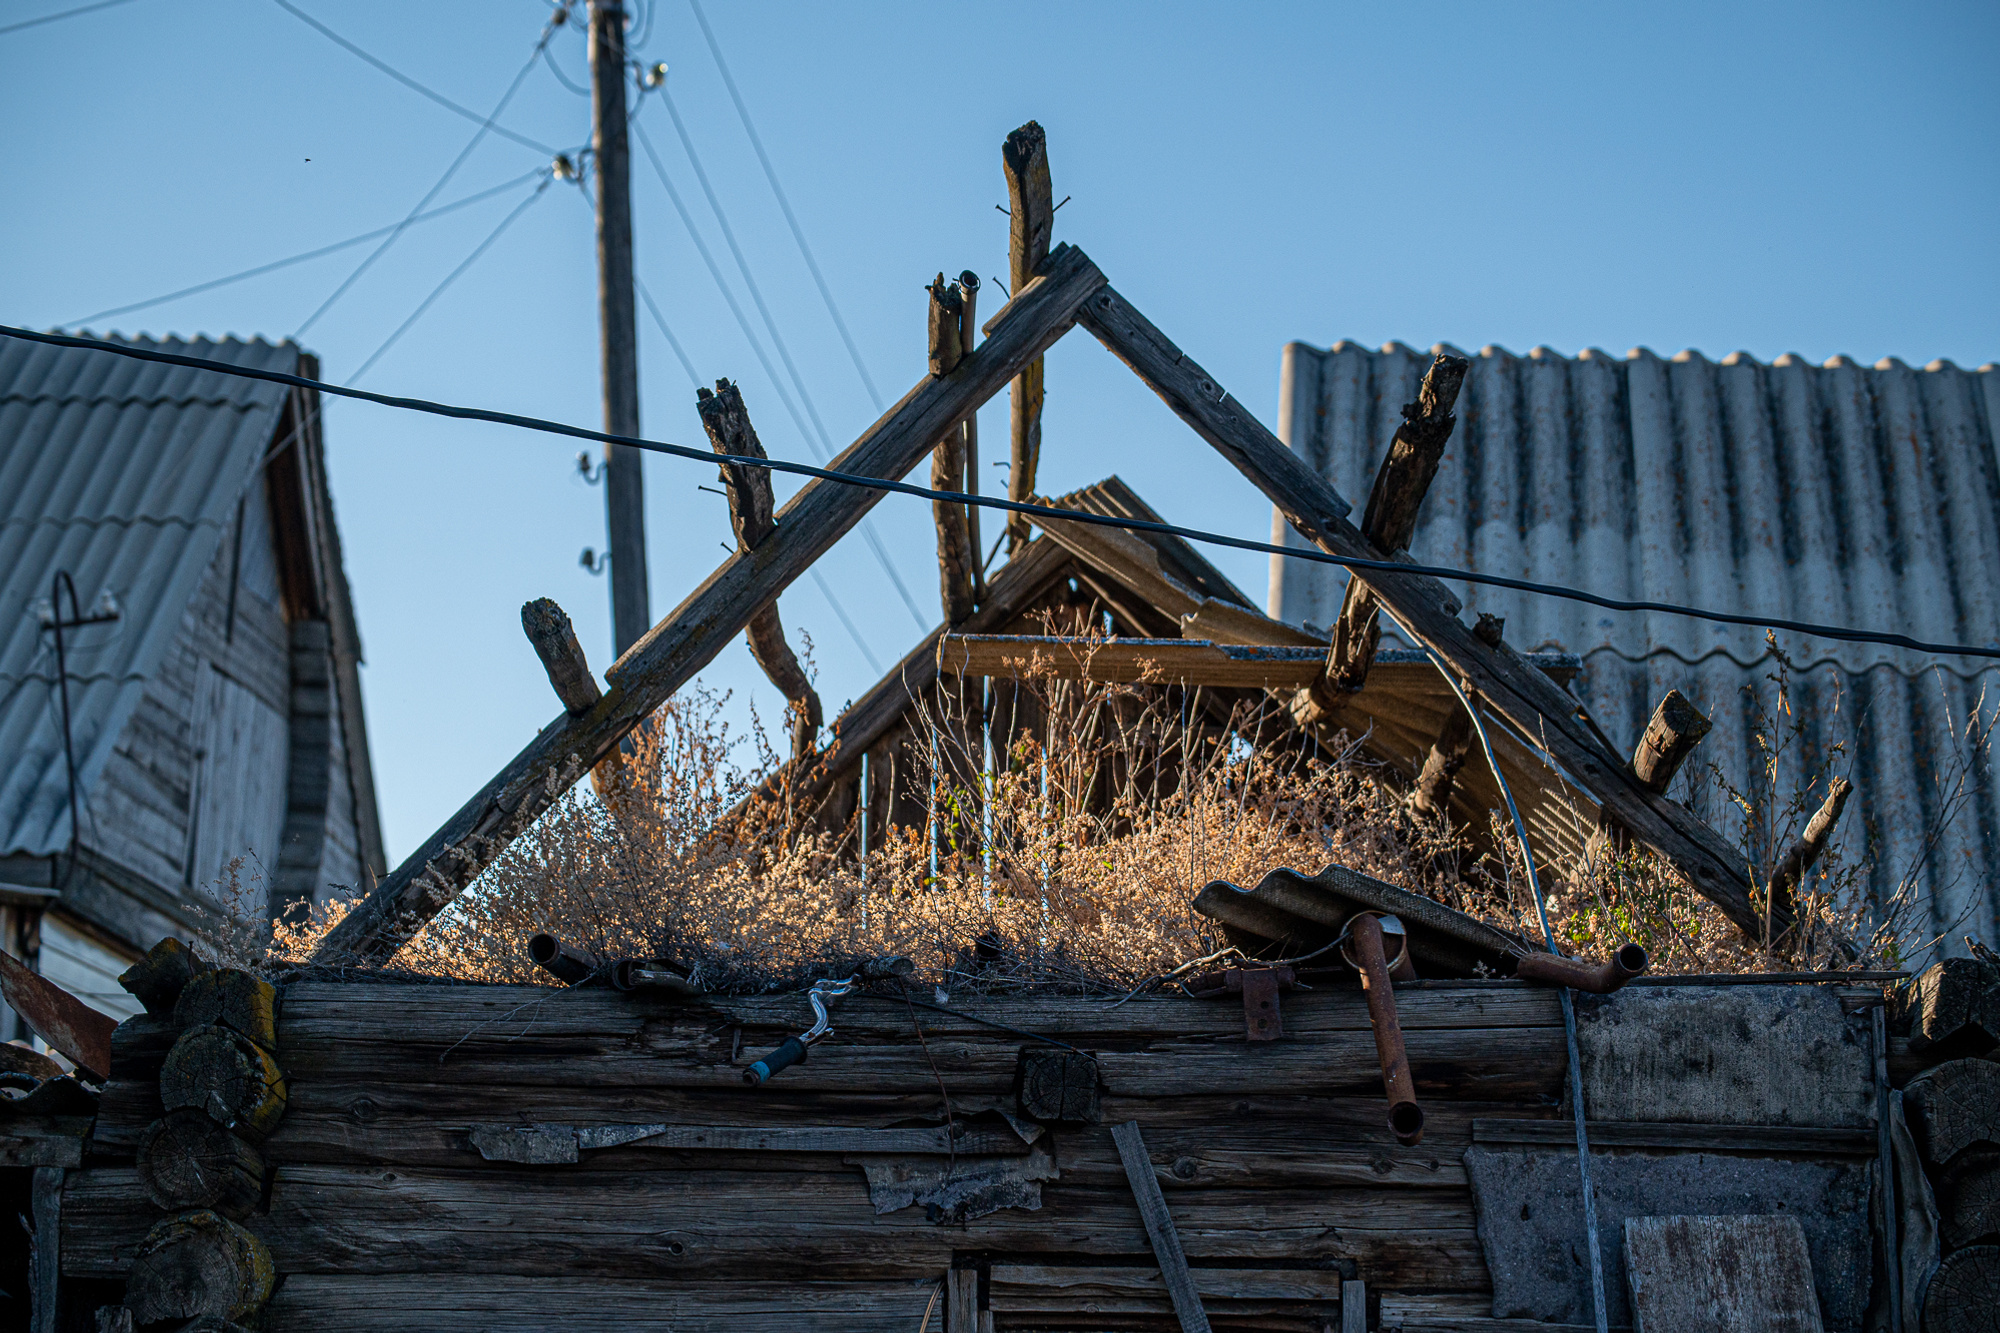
<point x="500" y="1303"/>
<point x="575" y="1222"/>
<point x="1720" y="1274"/>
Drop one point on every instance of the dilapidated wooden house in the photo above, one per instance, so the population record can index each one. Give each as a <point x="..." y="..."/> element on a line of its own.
<point x="204" y="721"/>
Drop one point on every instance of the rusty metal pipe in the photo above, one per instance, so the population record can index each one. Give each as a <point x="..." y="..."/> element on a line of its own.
<point x="1598" y="978"/>
<point x="559" y="960"/>
<point x="1406" y="1118"/>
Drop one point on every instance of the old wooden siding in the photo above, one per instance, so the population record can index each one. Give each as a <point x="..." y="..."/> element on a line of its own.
<point x="194" y="778"/>
<point x="1275" y="1154"/>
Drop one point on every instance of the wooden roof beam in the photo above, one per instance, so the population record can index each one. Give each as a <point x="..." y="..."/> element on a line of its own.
<point x="695" y="631"/>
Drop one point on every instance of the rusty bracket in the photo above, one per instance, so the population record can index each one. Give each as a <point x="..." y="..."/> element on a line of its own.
<point x="1259" y="987"/>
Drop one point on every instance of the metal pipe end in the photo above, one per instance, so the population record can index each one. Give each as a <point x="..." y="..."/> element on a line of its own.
<point x="1406" y="1122"/>
<point x="1631" y="960"/>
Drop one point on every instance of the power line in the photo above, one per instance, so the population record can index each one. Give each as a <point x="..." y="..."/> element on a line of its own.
<point x="65" y="14"/>
<point x="451" y="277"/>
<point x="336" y="247"/>
<point x="826" y="589"/>
<point x="450" y="171"/>
<point x="798" y="233"/>
<point x="868" y="533"/>
<point x="885" y="484"/>
<point x="403" y="78"/>
<point x="673" y="342"/>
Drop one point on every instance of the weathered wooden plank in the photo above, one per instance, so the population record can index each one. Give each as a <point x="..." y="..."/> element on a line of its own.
<point x="1766" y="1140"/>
<point x="44" y="1247"/>
<point x="1159" y="1223"/>
<point x="1058" y="1289"/>
<point x="569" y="1222"/>
<point x="504" y="1303"/>
<point x="1726" y="1274"/>
<point x="704" y="623"/>
<point x="1505" y="684"/>
<point x="43" y="1140"/>
<point x="319" y="1012"/>
<point x="1485" y="1065"/>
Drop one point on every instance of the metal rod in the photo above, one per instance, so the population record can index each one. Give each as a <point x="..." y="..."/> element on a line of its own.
<point x="1891" y="1250"/>
<point x="1598" y="978"/>
<point x="1406" y="1118"/>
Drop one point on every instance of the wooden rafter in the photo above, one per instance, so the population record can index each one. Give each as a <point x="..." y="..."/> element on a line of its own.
<point x="708" y="619"/>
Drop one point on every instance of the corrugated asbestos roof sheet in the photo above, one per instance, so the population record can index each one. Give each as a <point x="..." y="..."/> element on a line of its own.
<point x="125" y="474"/>
<point x="1836" y="494"/>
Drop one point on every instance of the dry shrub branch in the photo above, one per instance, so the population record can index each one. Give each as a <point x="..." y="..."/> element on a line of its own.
<point x="1068" y="861"/>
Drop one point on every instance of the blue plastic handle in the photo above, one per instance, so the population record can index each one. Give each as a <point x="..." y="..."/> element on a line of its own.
<point x="791" y="1053"/>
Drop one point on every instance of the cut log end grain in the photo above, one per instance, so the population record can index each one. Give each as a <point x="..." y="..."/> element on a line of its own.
<point x="233" y="999"/>
<point x="1956" y="1106"/>
<point x="1972" y="1200"/>
<point x="1955" y="999"/>
<point x="188" y="1161"/>
<point x="196" y="1265"/>
<point x="1964" y="1296"/>
<point x="226" y="1075"/>
<point x="157" y="980"/>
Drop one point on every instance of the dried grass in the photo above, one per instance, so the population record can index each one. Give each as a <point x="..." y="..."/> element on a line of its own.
<point x="1071" y="867"/>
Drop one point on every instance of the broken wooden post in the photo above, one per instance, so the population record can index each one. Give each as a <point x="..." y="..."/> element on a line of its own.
<point x="727" y="422"/>
<point x="1031" y="213"/>
<point x="1390" y="520"/>
<point x="956" y="558"/>
<point x="693" y="633"/>
<point x="1432" y="793"/>
<point x="1505" y="684"/>
<point x="549" y="629"/>
<point x="968" y="325"/>
<point x="1676" y="728"/>
<point x="1780" y="894"/>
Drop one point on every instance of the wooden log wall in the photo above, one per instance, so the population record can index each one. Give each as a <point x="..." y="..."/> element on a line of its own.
<point x="1276" y="1156"/>
<point x="390" y="1196"/>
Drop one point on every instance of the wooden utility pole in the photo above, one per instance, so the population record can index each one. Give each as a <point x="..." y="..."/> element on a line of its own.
<point x="618" y="330"/>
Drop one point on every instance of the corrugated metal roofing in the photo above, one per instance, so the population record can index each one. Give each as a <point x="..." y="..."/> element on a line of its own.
<point x="1836" y="494"/>
<point x="125" y="474"/>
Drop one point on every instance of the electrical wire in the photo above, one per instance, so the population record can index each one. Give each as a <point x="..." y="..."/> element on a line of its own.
<point x="450" y="171"/>
<point x="667" y="333"/>
<point x="335" y="248"/>
<point x="1081" y="516"/>
<point x="406" y="80"/>
<point x="452" y="277"/>
<point x="868" y="533"/>
<point x="1568" y="1001"/>
<point x="65" y="14"/>
<point x="785" y="205"/>
<point x="826" y="589"/>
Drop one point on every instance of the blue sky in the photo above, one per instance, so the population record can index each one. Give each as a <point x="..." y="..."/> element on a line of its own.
<point x="1816" y="179"/>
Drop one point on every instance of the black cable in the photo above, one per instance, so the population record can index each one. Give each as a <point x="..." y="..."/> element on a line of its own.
<point x="1082" y="516"/>
<point x="785" y="204"/>
<point x="868" y="533"/>
<point x="970" y="1018"/>
<point x="65" y="14"/>
<point x="562" y="78"/>
<point x="275" y="265"/>
<point x="452" y="277"/>
<point x="432" y="193"/>
<point x="407" y="81"/>
<point x="688" y="366"/>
